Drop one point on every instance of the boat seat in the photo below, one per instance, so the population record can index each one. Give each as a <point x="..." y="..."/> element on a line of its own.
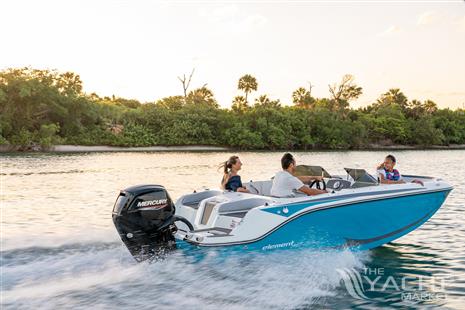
<point x="192" y="204"/>
<point x="262" y="188"/>
<point x="243" y="205"/>
<point x="194" y="200"/>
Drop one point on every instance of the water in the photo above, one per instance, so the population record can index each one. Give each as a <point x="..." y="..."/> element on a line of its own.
<point x="60" y="249"/>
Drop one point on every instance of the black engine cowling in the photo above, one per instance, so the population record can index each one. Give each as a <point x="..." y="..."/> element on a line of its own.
<point x="144" y="218"/>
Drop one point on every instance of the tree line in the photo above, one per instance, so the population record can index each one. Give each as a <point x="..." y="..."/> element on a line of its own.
<point x="47" y="107"/>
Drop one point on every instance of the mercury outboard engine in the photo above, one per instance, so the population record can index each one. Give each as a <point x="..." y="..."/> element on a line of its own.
<point x="144" y="218"/>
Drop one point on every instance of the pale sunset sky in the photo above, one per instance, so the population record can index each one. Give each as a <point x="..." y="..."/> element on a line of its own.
<point x="136" y="49"/>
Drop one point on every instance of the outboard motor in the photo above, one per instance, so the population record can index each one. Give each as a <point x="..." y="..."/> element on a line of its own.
<point x="144" y="218"/>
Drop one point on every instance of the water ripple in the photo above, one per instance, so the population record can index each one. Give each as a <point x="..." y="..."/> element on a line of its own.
<point x="60" y="250"/>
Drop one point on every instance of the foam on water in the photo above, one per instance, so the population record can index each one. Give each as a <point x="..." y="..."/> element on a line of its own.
<point x="105" y="275"/>
<point x="72" y="236"/>
<point x="60" y="248"/>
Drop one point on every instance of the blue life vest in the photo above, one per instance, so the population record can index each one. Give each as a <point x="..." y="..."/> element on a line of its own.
<point x="394" y="175"/>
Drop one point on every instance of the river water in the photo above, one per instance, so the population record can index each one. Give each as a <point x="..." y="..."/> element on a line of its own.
<point x="60" y="249"/>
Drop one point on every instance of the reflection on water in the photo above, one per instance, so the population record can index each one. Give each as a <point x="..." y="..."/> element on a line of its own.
<point x="60" y="249"/>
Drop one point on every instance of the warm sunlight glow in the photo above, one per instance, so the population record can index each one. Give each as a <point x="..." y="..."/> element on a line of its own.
<point x="136" y="49"/>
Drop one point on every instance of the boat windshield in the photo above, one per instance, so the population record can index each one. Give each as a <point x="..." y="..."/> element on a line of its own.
<point x="361" y="177"/>
<point x="311" y="170"/>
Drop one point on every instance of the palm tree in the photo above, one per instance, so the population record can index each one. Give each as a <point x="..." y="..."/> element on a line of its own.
<point x="201" y="95"/>
<point x="247" y="83"/>
<point x="416" y="109"/>
<point x="394" y="96"/>
<point x="302" y="98"/>
<point x="239" y="104"/>
<point x="265" y="101"/>
<point x="430" y="106"/>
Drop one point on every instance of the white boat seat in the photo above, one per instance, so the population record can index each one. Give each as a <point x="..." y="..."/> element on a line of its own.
<point x="262" y="188"/>
<point x="243" y="205"/>
<point x="193" y="200"/>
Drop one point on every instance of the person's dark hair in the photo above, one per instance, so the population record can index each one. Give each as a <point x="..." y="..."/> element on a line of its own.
<point x="287" y="160"/>
<point x="227" y="165"/>
<point x="392" y="158"/>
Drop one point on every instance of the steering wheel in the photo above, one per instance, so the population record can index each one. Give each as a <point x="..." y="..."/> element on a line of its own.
<point x="318" y="184"/>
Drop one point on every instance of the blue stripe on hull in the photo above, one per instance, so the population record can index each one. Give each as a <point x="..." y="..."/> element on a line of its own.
<point x="363" y="225"/>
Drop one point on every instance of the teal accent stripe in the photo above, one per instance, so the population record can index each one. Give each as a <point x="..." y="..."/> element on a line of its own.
<point x="288" y="210"/>
<point x="294" y="207"/>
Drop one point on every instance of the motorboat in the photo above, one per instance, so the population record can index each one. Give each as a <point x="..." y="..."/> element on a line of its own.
<point x="357" y="212"/>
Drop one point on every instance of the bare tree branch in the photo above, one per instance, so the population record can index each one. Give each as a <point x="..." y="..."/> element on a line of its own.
<point x="186" y="83"/>
<point x="310" y="86"/>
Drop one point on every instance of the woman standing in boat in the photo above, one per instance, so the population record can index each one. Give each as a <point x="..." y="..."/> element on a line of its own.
<point x="231" y="180"/>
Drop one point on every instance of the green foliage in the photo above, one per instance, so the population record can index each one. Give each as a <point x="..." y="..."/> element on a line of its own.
<point x="202" y="96"/>
<point x="394" y="97"/>
<point x="42" y="107"/>
<point x="303" y="98"/>
<point x="239" y="104"/>
<point x="265" y="102"/>
<point x="242" y="137"/>
<point x="129" y="103"/>
<point x="3" y="141"/>
<point x="135" y="135"/>
<point x="23" y="138"/>
<point x="452" y="125"/>
<point x="425" y="133"/>
<point x="172" y="103"/>
<point x="47" y="135"/>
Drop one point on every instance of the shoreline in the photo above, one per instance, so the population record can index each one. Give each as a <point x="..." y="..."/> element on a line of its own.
<point x="202" y="148"/>
<point x="107" y="148"/>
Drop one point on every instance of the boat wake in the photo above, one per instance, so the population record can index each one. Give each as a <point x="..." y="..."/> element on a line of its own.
<point x="104" y="275"/>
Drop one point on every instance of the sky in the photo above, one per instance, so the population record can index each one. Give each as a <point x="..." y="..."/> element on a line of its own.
<point x="137" y="49"/>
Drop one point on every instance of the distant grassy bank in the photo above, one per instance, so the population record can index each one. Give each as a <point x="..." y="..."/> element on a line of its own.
<point x="40" y="109"/>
